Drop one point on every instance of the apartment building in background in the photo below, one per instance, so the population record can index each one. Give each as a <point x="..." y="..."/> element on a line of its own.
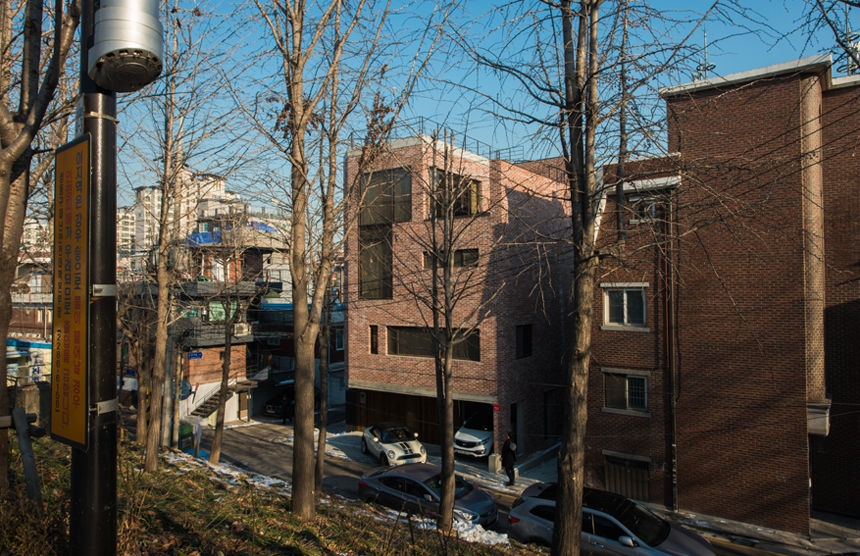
<point x="506" y="369"/>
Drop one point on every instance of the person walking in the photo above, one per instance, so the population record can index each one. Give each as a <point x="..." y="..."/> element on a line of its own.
<point x="509" y="458"/>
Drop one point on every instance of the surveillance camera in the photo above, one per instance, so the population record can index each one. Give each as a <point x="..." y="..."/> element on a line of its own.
<point x="128" y="47"/>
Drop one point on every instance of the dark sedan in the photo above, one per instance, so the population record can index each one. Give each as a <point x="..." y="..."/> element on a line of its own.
<point x="611" y="524"/>
<point x="415" y="488"/>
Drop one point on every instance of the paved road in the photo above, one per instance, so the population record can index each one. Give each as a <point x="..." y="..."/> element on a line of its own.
<point x="266" y="448"/>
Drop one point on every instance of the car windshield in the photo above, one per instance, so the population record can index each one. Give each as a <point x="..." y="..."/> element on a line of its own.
<point x="643" y="523"/>
<point x="397" y="434"/>
<point x="461" y="487"/>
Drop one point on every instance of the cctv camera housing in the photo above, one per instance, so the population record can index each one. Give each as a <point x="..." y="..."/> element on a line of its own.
<point x="128" y="46"/>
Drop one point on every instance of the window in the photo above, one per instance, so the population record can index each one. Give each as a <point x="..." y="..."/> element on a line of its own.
<point x="386" y="197"/>
<point x="374" y="339"/>
<point x="460" y="193"/>
<point x="418" y="342"/>
<point x="642" y="208"/>
<point x="524" y="341"/>
<point x="338" y="339"/>
<point x="606" y="528"/>
<point x="374" y="262"/>
<point x="625" y="391"/>
<point x="624" y="304"/>
<point x="462" y="258"/>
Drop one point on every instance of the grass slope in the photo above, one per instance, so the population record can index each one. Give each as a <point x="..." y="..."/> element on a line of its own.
<point x="191" y="508"/>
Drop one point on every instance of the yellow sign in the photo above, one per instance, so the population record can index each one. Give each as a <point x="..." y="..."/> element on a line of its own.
<point x="71" y="293"/>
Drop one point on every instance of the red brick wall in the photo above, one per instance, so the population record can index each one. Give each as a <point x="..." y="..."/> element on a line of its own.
<point x="208" y="368"/>
<point x="506" y="289"/>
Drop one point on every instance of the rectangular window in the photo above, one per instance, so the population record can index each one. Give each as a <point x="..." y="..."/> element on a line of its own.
<point x="627" y="392"/>
<point x="374" y="339"/>
<point x="462" y="258"/>
<point x="524" y="341"/>
<point x="338" y="340"/>
<point x="374" y="262"/>
<point x="624" y="306"/>
<point x="386" y="197"/>
<point x="460" y="193"/>
<point x="643" y="208"/>
<point x="418" y="342"/>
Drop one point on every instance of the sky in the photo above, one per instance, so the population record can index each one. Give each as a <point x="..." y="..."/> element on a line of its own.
<point x="741" y="35"/>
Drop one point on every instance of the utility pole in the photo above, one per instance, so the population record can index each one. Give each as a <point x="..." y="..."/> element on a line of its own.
<point x="121" y="49"/>
<point x="93" y="518"/>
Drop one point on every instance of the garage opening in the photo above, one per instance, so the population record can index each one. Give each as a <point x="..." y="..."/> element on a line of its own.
<point x="628" y="477"/>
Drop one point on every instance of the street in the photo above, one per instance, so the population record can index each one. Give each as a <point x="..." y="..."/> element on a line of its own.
<point x="266" y="448"/>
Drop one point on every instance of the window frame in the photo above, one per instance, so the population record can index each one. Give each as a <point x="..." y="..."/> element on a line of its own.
<point x="460" y="258"/>
<point x="468" y="349"/>
<point x="625" y="288"/>
<point x="390" y="201"/>
<point x="461" y="209"/>
<point x="628" y="408"/>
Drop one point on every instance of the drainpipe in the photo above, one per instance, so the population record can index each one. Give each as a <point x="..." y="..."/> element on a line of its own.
<point x="669" y="320"/>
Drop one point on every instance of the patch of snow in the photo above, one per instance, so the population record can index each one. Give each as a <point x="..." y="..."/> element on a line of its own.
<point x="475" y="533"/>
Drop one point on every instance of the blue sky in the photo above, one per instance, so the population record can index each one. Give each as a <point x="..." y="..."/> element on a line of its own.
<point x="757" y="34"/>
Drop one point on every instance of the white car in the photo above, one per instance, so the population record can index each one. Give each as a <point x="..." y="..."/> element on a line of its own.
<point x="473" y="442"/>
<point x="393" y="444"/>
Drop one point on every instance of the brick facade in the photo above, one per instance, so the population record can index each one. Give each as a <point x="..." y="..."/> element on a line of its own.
<point x="740" y="326"/>
<point x="513" y="284"/>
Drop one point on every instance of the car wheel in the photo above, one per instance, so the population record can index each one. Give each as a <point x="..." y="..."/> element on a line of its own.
<point x="363" y="445"/>
<point x="383" y="459"/>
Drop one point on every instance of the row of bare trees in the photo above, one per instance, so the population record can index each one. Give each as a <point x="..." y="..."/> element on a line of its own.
<point x="328" y="70"/>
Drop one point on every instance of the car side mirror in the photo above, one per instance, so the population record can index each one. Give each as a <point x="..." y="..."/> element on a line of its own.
<point x="428" y="497"/>
<point x="627" y="541"/>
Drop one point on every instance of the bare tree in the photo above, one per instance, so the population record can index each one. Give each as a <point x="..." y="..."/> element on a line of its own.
<point x="189" y="131"/>
<point x="329" y="57"/>
<point x="23" y="44"/>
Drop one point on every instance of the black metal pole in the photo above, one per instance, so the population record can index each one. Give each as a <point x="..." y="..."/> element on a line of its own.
<point x="93" y="518"/>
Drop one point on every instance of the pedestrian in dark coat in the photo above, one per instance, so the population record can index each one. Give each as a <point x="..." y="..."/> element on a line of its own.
<point x="509" y="458"/>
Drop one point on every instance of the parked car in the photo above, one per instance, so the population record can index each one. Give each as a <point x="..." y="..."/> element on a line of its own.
<point x="611" y="524"/>
<point x="286" y="394"/>
<point x="474" y="438"/>
<point x="415" y="488"/>
<point x="393" y="444"/>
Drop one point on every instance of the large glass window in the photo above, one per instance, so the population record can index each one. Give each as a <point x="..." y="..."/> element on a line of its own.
<point x="418" y="342"/>
<point x="459" y="192"/>
<point x="374" y="262"/>
<point x="386" y="197"/>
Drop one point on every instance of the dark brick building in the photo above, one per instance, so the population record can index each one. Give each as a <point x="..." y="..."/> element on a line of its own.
<point x="725" y="374"/>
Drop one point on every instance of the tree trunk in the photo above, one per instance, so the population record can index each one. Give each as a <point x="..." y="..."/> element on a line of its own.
<point x="13" y="227"/>
<point x="215" y="452"/>
<point x="446" y="502"/>
<point x="324" y="365"/>
<point x="303" y="445"/>
<point x="156" y="398"/>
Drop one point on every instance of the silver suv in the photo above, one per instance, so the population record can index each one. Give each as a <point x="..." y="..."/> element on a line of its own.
<point x="611" y="524"/>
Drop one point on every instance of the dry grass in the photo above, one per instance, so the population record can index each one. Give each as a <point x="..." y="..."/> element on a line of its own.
<point x="188" y="508"/>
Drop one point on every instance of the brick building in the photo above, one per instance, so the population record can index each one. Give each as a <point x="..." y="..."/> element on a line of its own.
<point x="725" y="350"/>
<point x="506" y="371"/>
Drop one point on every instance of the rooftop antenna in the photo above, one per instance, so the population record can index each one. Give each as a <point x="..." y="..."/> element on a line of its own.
<point x="849" y="42"/>
<point x="704" y="67"/>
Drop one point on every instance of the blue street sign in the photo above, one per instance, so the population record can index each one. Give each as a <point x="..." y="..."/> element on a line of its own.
<point x="195" y="355"/>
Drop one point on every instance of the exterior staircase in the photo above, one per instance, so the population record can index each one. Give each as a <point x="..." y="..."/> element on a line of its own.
<point x="209" y="406"/>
